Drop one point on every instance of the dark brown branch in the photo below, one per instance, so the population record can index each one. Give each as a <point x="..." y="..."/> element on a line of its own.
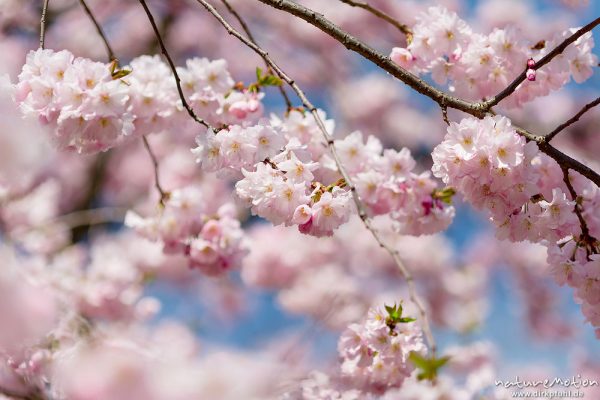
<point x="246" y="29"/>
<point x="189" y="109"/>
<point x="587" y="238"/>
<point x="164" y="196"/>
<point x="379" y="59"/>
<point x="404" y="271"/>
<point x="478" y="110"/>
<point x="380" y="14"/>
<point x="109" y="50"/>
<point x="567" y="162"/>
<point x="572" y="120"/>
<point x="43" y="24"/>
<point x="539" y="64"/>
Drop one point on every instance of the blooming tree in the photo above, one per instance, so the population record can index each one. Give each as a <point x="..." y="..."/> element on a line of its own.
<point x="208" y="172"/>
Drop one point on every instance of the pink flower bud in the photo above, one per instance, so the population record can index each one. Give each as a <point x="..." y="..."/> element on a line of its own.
<point x="530" y="74"/>
<point x="530" y="63"/>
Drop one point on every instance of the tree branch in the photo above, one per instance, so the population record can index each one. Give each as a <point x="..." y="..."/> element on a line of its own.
<point x="572" y="120"/>
<point x="174" y="70"/>
<point x="567" y="162"/>
<point x="43" y="24"/>
<point x="330" y="143"/>
<point x="539" y="64"/>
<point x="478" y="110"/>
<point x="244" y="26"/>
<point x="109" y="50"/>
<point x="588" y="239"/>
<point x="379" y="59"/>
<point x="380" y="14"/>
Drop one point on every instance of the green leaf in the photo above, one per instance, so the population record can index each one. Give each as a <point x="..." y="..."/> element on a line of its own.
<point x="270" y="80"/>
<point x="406" y="320"/>
<point x="428" y="367"/>
<point x="444" y="195"/>
<point x="258" y="74"/>
<point x="120" y="74"/>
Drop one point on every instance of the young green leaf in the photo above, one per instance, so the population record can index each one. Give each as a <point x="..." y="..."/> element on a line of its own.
<point x="428" y="367"/>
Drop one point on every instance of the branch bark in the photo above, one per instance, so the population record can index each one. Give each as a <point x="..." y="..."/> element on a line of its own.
<point x="382" y="15"/>
<point x="43" y="24"/>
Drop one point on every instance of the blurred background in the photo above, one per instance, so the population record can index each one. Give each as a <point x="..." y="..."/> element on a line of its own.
<point x="476" y="288"/>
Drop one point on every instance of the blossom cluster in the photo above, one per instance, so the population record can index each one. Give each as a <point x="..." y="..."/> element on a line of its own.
<point x="93" y="106"/>
<point x="386" y="183"/>
<point x="213" y="243"/>
<point x="525" y="196"/>
<point x="375" y="354"/>
<point x="283" y="165"/>
<point x="479" y="66"/>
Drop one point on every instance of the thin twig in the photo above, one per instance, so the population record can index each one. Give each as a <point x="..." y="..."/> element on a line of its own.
<point x="174" y="70"/>
<point x="330" y="144"/>
<point x="163" y="194"/>
<point x="244" y="26"/>
<point x="539" y="64"/>
<point x="382" y="15"/>
<point x="43" y="24"/>
<point x="566" y="161"/>
<point x="572" y="120"/>
<point x="588" y="239"/>
<point x="88" y="11"/>
<point x="476" y="109"/>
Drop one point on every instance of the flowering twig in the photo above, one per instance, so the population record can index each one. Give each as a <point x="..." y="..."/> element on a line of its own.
<point x="88" y="11"/>
<point x="330" y="144"/>
<point x="475" y="109"/>
<point x="382" y="15"/>
<point x="572" y="120"/>
<point x="174" y="70"/>
<point x="244" y="26"/>
<point x="539" y="64"/>
<point x="43" y="24"/>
